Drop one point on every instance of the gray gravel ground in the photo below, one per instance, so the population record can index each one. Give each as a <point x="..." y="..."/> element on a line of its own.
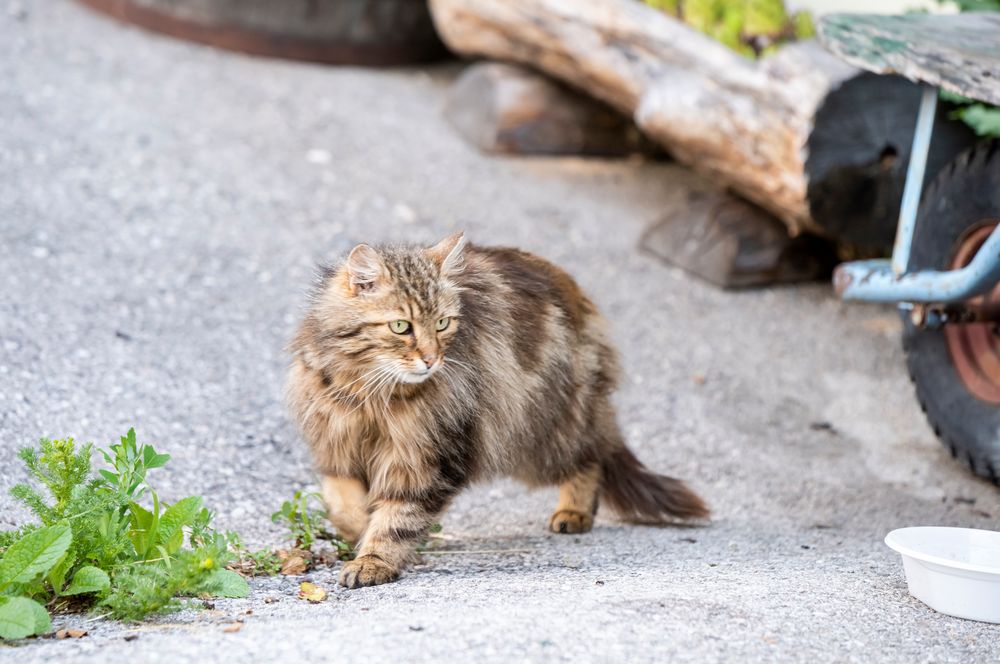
<point x="162" y="207"/>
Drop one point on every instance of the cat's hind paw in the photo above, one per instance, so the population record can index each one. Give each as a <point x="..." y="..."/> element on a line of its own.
<point x="569" y="522"/>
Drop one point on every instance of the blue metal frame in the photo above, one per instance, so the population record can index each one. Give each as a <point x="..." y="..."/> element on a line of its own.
<point x="889" y="281"/>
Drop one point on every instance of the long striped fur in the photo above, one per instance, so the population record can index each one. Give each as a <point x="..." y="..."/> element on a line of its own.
<point x="504" y="369"/>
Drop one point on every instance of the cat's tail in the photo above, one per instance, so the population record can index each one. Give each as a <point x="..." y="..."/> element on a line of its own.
<point x="639" y="495"/>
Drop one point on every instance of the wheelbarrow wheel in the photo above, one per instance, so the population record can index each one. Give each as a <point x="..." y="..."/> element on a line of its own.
<point x="956" y="369"/>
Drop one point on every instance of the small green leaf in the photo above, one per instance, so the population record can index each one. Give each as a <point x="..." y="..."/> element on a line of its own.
<point x="141" y="529"/>
<point x="21" y="617"/>
<point x="88" y="580"/>
<point x="43" y="622"/>
<point x="57" y="575"/>
<point x="180" y="514"/>
<point x="151" y="459"/>
<point x="34" y="554"/>
<point x="226" y="583"/>
<point x="174" y="544"/>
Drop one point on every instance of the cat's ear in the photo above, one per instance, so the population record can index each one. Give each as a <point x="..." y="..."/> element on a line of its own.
<point x="448" y="253"/>
<point x="364" y="268"/>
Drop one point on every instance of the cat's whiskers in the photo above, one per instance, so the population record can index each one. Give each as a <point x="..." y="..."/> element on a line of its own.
<point x="450" y="360"/>
<point x="323" y="395"/>
<point x="371" y="387"/>
<point x="339" y="392"/>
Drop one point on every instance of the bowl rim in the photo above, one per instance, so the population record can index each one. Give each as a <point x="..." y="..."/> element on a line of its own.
<point x="892" y="541"/>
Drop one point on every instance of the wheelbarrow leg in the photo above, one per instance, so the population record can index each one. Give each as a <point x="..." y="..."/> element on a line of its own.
<point x="914" y="183"/>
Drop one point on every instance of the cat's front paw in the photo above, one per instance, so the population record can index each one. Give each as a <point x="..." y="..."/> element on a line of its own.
<point x="367" y="571"/>
<point x="570" y="522"/>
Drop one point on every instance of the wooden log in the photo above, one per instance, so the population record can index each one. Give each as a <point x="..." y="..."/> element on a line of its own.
<point x="731" y="243"/>
<point x="509" y="109"/>
<point x="766" y="129"/>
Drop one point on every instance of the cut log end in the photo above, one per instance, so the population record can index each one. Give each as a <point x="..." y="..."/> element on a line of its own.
<point x="509" y="109"/>
<point x="734" y="244"/>
<point x="858" y="152"/>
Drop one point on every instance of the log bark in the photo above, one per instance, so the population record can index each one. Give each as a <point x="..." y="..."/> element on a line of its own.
<point x="513" y="110"/>
<point x="747" y="124"/>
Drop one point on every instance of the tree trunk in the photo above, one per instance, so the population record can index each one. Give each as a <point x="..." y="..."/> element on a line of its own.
<point x="753" y="126"/>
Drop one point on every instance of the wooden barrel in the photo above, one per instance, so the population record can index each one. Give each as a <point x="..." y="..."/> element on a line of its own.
<point x="360" y="32"/>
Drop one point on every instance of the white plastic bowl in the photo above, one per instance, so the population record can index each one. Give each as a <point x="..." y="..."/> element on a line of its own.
<point x="952" y="570"/>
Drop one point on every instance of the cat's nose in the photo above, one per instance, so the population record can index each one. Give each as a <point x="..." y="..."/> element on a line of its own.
<point x="429" y="359"/>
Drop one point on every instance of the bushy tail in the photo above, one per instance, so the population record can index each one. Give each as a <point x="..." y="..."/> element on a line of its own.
<point x="641" y="496"/>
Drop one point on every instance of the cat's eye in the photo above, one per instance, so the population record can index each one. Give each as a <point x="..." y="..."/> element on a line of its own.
<point x="442" y="324"/>
<point x="400" y="326"/>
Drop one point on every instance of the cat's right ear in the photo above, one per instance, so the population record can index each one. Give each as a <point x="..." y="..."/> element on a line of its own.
<point x="364" y="268"/>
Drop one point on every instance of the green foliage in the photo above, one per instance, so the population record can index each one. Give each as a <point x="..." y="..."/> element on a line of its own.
<point x="108" y="539"/>
<point x="753" y="28"/>
<point x="974" y="5"/>
<point x="88" y="580"/>
<point x="33" y="555"/>
<point x="21" y="617"/>
<point x="262" y="562"/>
<point x="305" y="523"/>
<point x="983" y="118"/>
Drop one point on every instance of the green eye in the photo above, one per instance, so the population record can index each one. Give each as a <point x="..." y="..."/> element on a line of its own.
<point x="400" y="326"/>
<point x="442" y="324"/>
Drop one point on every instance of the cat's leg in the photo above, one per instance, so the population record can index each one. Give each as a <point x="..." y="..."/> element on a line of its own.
<point x="347" y="505"/>
<point x="394" y="530"/>
<point x="577" y="501"/>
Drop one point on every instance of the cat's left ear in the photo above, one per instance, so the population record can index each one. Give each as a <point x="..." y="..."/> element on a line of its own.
<point x="448" y="253"/>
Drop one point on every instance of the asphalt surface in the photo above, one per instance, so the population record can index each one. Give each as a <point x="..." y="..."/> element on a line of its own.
<point x="162" y="208"/>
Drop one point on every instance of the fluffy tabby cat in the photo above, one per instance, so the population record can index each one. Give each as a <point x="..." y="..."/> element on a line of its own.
<point x="417" y="371"/>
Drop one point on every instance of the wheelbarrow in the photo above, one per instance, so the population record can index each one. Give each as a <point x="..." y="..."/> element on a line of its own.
<point x="945" y="266"/>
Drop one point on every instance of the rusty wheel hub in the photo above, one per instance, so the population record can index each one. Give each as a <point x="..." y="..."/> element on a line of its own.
<point x="975" y="347"/>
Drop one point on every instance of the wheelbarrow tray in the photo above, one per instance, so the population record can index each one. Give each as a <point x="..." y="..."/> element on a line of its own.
<point x="957" y="52"/>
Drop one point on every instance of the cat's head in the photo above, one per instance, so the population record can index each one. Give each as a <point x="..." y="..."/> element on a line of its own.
<point x="393" y="311"/>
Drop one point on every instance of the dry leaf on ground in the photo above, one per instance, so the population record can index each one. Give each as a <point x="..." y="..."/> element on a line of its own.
<point x="311" y="592"/>
<point x="294" y="561"/>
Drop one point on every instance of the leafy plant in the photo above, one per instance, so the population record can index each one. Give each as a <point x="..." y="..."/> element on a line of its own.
<point x="984" y="119"/>
<point x="307" y="524"/>
<point x="108" y="540"/>
<point x="263" y="562"/>
<point x="974" y="5"/>
<point x="753" y="28"/>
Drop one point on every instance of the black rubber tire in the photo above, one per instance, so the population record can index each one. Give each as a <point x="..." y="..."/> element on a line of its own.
<point x="965" y="192"/>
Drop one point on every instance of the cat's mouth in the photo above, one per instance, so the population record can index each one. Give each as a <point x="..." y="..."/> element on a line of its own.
<point x="414" y="377"/>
